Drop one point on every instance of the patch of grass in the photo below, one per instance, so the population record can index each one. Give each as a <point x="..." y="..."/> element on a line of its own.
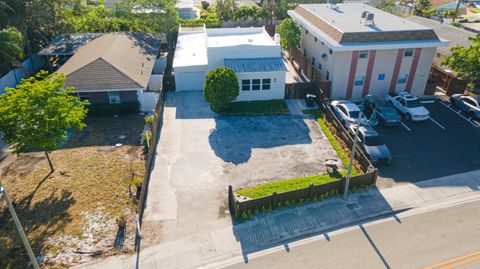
<point x="256" y="108"/>
<point x="331" y="138"/>
<point x="475" y="10"/>
<point x="91" y="176"/>
<point x="288" y="185"/>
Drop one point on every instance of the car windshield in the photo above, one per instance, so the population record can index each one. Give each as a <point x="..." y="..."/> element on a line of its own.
<point x="354" y="114"/>
<point x="373" y="140"/>
<point x="413" y="103"/>
<point x="388" y="111"/>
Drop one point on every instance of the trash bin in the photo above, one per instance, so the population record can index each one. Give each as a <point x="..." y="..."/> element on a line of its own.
<point x="310" y="100"/>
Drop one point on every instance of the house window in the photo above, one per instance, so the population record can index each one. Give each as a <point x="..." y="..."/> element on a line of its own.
<point x="266" y="84"/>
<point x="402" y="79"/>
<point x="315" y="39"/>
<point x="408" y="53"/>
<point x="84" y="97"/>
<point x="305" y="53"/>
<point x="363" y="55"/>
<point x="359" y="80"/>
<point x="306" y="31"/>
<point x="245" y="84"/>
<point x="327" y="75"/>
<point x="330" y="51"/>
<point x="319" y="66"/>
<point x="313" y="60"/>
<point x="255" y="84"/>
<point x="114" y="97"/>
<point x="381" y="76"/>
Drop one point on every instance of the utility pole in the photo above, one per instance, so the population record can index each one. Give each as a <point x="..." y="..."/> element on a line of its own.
<point x="352" y="157"/>
<point x="3" y="194"/>
<point x="456" y="10"/>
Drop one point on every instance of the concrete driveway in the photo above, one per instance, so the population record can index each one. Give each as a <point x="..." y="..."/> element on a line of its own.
<point x="200" y="153"/>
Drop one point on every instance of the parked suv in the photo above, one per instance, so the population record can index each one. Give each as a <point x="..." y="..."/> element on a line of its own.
<point x="385" y="113"/>
<point x="373" y="145"/>
<point x="347" y="112"/>
<point x="469" y="104"/>
<point x="408" y="105"/>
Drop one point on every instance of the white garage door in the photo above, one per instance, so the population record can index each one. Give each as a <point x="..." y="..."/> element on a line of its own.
<point x="190" y="81"/>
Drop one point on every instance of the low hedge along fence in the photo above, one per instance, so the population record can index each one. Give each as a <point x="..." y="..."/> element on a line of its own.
<point x="242" y="207"/>
<point x="107" y="110"/>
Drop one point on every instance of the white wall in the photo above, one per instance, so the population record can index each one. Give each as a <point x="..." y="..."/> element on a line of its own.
<point x="155" y="83"/>
<point x="277" y="90"/>
<point x="423" y="71"/>
<point x="148" y="101"/>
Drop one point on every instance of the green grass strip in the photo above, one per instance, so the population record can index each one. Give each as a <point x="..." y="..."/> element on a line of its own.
<point x="331" y="138"/>
<point x="256" y="108"/>
<point x="288" y="185"/>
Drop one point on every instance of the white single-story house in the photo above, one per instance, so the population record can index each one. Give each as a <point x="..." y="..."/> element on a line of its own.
<point x="250" y="52"/>
<point x="117" y="68"/>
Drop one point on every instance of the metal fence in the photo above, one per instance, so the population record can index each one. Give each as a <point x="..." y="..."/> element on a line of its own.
<point x="12" y="78"/>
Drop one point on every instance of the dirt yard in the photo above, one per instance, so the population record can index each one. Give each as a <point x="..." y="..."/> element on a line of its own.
<point x="70" y="216"/>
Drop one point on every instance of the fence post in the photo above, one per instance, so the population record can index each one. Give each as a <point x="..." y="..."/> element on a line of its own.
<point x="310" y="191"/>
<point x="237" y="209"/>
<point x="230" y="199"/>
<point x="273" y="201"/>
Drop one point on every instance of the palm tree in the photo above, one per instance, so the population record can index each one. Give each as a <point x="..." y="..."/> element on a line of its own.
<point x="11" y="47"/>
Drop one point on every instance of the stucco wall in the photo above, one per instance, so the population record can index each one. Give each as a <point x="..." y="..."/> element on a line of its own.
<point x="277" y="90"/>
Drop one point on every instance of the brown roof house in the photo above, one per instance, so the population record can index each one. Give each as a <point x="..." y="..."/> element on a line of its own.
<point x="117" y="68"/>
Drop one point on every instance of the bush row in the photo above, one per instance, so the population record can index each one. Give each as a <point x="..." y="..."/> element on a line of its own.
<point x="107" y="110"/>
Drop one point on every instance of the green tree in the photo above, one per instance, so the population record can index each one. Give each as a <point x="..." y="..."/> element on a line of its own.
<point x="466" y="61"/>
<point x="424" y="8"/>
<point x="226" y="9"/>
<point x="38" y="112"/>
<point x="221" y="88"/>
<point x="290" y="35"/>
<point x="11" y="48"/>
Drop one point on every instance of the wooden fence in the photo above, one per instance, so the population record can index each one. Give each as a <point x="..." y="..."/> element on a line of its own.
<point x="238" y="205"/>
<point x="447" y="81"/>
<point x="156" y="127"/>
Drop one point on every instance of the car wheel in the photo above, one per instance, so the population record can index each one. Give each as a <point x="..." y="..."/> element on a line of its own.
<point x="453" y="101"/>
<point x="408" y="116"/>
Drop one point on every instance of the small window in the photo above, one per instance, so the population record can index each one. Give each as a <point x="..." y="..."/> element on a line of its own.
<point x="402" y="79"/>
<point x="84" y="97"/>
<point x="114" y="97"/>
<point x="330" y="51"/>
<point x="327" y="75"/>
<point x="315" y="39"/>
<point x="266" y="85"/>
<point x="245" y="85"/>
<point x="313" y="60"/>
<point x="381" y="76"/>
<point x="408" y="53"/>
<point x="306" y="31"/>
<point x="255" y="84"/>
<point x="363" y="55"/>
<point x="359" y="80"/>
<point x="319" y="66"/>
<point x="305" y="53"/>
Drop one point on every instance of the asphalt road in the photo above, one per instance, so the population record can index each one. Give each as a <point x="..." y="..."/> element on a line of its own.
<point x="444" y="238"/>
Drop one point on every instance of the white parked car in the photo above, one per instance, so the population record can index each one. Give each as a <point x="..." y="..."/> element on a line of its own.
<point x="347" y="112"/>
<point x="408" y="105"/>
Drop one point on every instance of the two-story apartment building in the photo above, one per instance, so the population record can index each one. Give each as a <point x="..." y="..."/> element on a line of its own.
<point x="250" y="52"/>
<point x="363" y="50"/>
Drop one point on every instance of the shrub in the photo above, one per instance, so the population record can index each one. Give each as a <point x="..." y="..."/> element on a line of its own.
<point x="107" y="110"/>
<point x="205" y="5"/>
<point x="221" y="88"/>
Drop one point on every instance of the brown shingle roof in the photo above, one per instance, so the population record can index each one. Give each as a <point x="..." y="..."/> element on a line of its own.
<point x="113" y="61"/>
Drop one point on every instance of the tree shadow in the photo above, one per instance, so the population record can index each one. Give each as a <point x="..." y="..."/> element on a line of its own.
<point x="29" y="197"/>
<point x="40" y="222"/>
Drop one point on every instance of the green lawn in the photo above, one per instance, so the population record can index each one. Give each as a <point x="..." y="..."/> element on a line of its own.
<point x="333" y="141"/>
<point x="475" y="10"/>
<point x="288" y="185"/>
<point x="256" y="108"/>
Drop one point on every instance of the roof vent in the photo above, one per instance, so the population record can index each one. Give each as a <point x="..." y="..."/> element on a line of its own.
<point x="250" y="40"/>
<point x="364" y="14"/>
<point x="367" y="17"/>
<point x="333" y="4"/>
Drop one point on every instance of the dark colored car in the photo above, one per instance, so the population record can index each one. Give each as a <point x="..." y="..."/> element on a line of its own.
<point x="387" y="115"/>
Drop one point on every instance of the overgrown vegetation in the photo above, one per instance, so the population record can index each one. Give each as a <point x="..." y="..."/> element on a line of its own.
<point x="255" y="108"/>
<point x="267" y="189"/>
<point x="208" y="17"/>
<point x="336" y="144"/>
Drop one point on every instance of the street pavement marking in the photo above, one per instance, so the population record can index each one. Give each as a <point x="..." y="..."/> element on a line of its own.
<point x="456" y="262"/>
<point x="474" y="123"/>
<point x="406" y="127"/>
<point x="436" y="123"/>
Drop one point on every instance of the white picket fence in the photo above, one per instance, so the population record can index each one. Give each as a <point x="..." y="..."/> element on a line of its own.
<point x="12" y="78"/>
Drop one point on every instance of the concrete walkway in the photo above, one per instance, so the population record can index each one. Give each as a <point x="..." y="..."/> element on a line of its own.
<point x="293" y="223"/>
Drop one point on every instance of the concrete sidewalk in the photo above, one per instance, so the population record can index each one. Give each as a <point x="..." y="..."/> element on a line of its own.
<point x="289" y="224"/>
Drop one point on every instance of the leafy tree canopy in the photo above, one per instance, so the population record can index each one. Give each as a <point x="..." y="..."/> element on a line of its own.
<point x="38" y="112"/>
<point x="290" y="35"/>
<point x="221" y="88"/>
<point x="466" y="61"/>
<point x="11" y="48"/>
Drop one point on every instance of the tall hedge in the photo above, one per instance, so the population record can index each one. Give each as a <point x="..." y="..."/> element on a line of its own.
<point x="221" y="88"/>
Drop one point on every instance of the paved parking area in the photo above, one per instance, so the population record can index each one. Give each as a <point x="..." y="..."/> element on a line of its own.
<point x="446" y="144"/>
<point x="200" y="153"/>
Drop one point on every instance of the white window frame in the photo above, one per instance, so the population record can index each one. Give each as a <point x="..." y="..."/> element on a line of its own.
<point x="245" y="85"/>
<point x="114" y="97"/>
<point x="402" y="79"/>
<point x="409" y="51"/>
<point x="363" y="54"/>
<point x="259" y="84"/>
<point x="359" y="80"/>
<point x="269" y="84"/>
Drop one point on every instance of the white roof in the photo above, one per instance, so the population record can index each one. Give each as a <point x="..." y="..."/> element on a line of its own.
<point x="227" y="37"/>
<point x="346" y="18"/>
<point x="191" y="47"/>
